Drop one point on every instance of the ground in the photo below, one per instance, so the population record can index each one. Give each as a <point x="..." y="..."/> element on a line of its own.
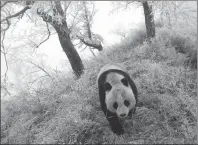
<point x="71" y="113"/>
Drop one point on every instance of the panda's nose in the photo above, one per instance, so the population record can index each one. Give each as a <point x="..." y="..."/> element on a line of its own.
<point x="122" y="115"/>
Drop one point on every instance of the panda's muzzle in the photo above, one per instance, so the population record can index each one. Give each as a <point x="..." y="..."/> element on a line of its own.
<point x="123" y="115"/>
<point x="122" y="111"/>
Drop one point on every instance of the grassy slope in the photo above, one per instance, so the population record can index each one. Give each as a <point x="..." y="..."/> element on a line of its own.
<point x="71" y="113"/>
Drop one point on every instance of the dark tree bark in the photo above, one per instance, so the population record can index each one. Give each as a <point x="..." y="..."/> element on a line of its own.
<point x="68" y="48"/>
<point x="149" y="20"/>
<point x="64" y="38"/>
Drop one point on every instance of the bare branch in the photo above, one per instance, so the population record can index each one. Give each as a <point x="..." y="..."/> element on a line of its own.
<point x="3" y="87"/>
<point x="73" y="24"/>
<point x="80" y="44"/>
<point x="41" y="68"/>
<point x="29" y="17"/>
<point x="32" y="82"/>
<point x="93" y="13"/>
<point x="92" y="52"/>
<point x="94" y="45"/>
<point x="16" y="14"/>
<point x="83" y="49"/>
<point x="49" y="34"/>
<point x="30" y="73"/>
<point x="117" y="8"/>
<point x="66" y="6"/>
<point x="77" y="43"/>
<point x="121" y="5"/>
<point x="8" y="26"/>
<point x="5" y="57"/>
<point x="4" y="53"/>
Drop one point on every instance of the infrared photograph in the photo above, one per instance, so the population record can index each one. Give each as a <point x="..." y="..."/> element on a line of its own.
<point x="98" y="72"/>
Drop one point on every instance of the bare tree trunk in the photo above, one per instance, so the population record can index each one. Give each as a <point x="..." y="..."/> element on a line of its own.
<point x="64" y="38"/>
<point x="149" y="20"/>
<point x="70" y="51"/>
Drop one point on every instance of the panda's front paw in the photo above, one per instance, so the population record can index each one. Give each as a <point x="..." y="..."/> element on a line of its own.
<point x="118" y="131"/>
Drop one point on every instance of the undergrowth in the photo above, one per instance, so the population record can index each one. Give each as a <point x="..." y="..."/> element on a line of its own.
<point x="166" y="77"/>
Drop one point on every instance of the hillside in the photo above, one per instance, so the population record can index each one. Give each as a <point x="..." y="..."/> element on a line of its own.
<point x="69" y="112"/>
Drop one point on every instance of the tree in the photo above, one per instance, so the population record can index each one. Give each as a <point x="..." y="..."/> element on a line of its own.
<point x="85" y="35"/>
<point x="148" y="13"/>
<point x="149" y="20"/>
<point x="171" y="12"/>
<point x="64" y="36"/>
<point x="56" y="14"/>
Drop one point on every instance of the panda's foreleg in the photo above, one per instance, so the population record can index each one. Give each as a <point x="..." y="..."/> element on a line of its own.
<point x="112" y="118"/>
<point x="114" y="122"/>
<point x="115" y="125"/>
<point x="132" y="111"/>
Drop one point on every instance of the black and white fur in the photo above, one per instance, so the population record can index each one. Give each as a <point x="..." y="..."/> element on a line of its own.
<point x="118" y="95"/>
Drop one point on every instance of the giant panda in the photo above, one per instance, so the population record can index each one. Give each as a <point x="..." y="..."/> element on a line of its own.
<point x="118" y="95"/>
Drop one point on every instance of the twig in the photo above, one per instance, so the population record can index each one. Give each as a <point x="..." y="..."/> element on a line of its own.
<point x="83" y="49"/>
<point x="29" y="17"/>
<point x="73" y="24"/>
<point x="66" y="6"/>
<point x="5" y="57"/>
<point x="49" y="34"/>
<point x="96" y="46"/>
<point x="92" y="52"/>
<point x="4" y="53"/>
<point x="77" y="43"/>
<point x="41" y="68"/>
<point x="6" y="90"/>
<point x="36" y="80"/>
<point x="30" y="73"/>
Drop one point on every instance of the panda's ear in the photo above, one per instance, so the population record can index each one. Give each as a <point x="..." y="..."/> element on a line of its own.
<point x="125" y="82"/>
<point x="107" y="86"/>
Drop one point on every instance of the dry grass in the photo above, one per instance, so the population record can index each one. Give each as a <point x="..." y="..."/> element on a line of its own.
<point x="72" y="114"/>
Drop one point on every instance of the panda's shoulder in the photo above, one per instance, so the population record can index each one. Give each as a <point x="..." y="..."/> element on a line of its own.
<point x="107" y="67"/>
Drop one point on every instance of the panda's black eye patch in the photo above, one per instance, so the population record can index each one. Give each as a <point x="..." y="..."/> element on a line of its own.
<point x="124" y="81"/>
<point x="107" y="86"/>
<point x="115" y="105"/>
<point x="126" y="103"/>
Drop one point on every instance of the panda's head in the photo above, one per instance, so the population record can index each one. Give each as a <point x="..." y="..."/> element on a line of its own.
<point x="119" y="98"/>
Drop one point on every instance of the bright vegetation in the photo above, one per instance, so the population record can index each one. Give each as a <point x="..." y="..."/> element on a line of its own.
<point x="71" y="113"/>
